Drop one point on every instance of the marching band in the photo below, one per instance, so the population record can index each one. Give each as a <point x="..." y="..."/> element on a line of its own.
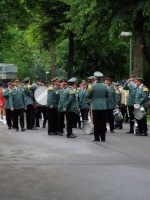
<point x="66" y="105"/>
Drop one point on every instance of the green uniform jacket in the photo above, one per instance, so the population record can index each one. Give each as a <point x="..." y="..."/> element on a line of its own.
<point x="29" y="97"/>
<point x="83" y="99"/>
<point x="98" y="93"/>
<point x="132" y="92"/>
<point x="61" y="100"/>
<point x="52" y="96"/>
<point x="70" y="100"/>
<point x="6" y="96"/>
<point x="17" y="99"/>
<point x="141" y="96"/>
<point x="112" y="98"/>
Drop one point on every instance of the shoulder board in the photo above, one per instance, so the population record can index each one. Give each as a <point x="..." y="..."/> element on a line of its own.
<point x="50" y="88"/>
<point x="90" y="88"/>
<point x="145" y="89"/>
<point x="71" y="92"/>
<point x="56" y="92"/>
<point x="29" y="86"/>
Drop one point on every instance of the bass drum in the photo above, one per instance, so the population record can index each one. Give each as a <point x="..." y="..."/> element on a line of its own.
<point x="40" y="95"/>
<point x="88" y="128"/>
<point x="139" y="113"/>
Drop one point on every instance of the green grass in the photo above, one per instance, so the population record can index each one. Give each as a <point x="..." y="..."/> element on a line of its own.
<point x="148" y="118"/>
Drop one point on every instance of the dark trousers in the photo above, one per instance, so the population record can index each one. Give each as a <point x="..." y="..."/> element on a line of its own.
<point x="30" y="116"/>
<point x="61" y="121"/>
<point x="18" y="113"/>
<point x="70" y="116"/>
<point x="9" y="118"/>
<point x="99" y="121"/>
<point x="131" y="115"/>
<point x="110" y="119"/>
<point x="84" y="114"/>
<point x="41" y="110"/>
<point x="52" y="120"/>
<point x="142" y="126"/>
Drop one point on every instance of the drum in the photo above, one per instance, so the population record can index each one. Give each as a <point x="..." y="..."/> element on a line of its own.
<point x="139" y="112"/>
<point x="40" y="95"/>
<point x="88" y="128"/>
<point x="117" y="115"/>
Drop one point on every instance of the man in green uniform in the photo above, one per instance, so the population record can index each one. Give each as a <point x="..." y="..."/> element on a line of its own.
<point x="111" y="103"/>
<point x="17" y="105"/>
<point x="70" y="107"/>
<point x="98" y="92"/>
<point x="29" y="99"/>
<point x="131" y="86"/>
<point x="9" y="113"/>
<point x="83" y="100"/>
<point x="61" y="114"/>
<point x="52" y="104"/>
<point x="141" y="98"/>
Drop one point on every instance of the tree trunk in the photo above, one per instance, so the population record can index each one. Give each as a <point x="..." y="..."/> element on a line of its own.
<point x="138" y="47"/>
<point x="138" y="56"/>
<point x="70" y="54"/>
<point x="53" y="60"/>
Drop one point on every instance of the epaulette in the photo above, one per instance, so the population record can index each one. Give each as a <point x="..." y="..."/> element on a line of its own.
<point x="90" y="88"/>
<point x="50" y="88"/>
<point x="71" y="92"/>
<point x="145" y="89"/>
<point x="56" y="92"/>
<point x="29" y="86"/>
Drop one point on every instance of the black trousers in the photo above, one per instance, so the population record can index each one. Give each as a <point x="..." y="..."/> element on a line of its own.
<point x="99" y="121"/>
<point x="61" y="121"/>
<point x="70" y="116"/>
<point x="84" y="114"/>
<point x="38" y="111"/>
<point x="110" y="119"/>
<point x="9" y="118"/>
<point x="142" y="126"/>
<point x="52" y="120"/>
<point x="30" y="116"/>
<point x="131" y="109"/>
<point x="18" y="113"/>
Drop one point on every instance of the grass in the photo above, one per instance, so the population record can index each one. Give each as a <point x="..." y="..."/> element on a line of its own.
<point x="148" y="118"/>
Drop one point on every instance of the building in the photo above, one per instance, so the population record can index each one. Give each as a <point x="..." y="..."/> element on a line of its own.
<point x="8" y="72"/>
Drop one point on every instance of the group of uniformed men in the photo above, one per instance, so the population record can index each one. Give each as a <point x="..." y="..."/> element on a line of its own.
<point x="66" y="101"/>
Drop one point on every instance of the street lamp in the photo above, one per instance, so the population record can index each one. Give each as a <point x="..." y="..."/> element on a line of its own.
<point x="46" y="75"/>
<point x="129" y="34"/>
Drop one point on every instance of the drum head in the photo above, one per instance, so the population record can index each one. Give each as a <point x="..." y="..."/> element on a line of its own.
<point x="139" y="113"/>
<point x="88" y="128"/>
<point x="40" y="95"/>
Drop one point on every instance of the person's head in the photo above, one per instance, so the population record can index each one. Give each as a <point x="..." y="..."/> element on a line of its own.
<point x="108" y="81"/>
<point x="139" y="81"/>
<point x="10" y="85"/>
<point x="64" y="84"/>
<point x="55" y="82"/>
<point x="16" y="83"/>
<point x="83" y="84"/>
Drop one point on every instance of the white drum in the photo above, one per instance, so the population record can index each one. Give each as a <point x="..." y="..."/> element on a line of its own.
<point x="88" y="128"/>
<point x="139" y="113"/>
<point x="40" y="95"/>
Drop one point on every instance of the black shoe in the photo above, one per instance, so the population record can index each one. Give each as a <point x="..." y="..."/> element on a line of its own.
<point x="37" y="125"/>
<point x="71" y="136"/>
<point x="9" y="127"/>
<point x="23" y="129"/>
<point x="33" y="128"/>
<point x="59" y="133"/>
<point x="43" y="126"/>
<point x="112" y="131"/>
<point x="103" y="140"/>
<point x="96" y="140"/>
<point x="51" y="133"/>
<point x="129" y="132"/>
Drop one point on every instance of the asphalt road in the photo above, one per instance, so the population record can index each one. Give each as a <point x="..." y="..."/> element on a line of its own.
<point x="35" y="166"/>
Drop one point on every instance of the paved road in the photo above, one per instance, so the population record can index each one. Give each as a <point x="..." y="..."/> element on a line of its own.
<point x="35" y="166"/>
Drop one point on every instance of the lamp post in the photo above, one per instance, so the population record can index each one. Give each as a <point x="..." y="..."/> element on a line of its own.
<point x="129" y="34"/>
<point x="46" y="75"/>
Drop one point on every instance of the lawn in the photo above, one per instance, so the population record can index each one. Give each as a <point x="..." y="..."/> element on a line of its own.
<point x="148" y="118"/>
